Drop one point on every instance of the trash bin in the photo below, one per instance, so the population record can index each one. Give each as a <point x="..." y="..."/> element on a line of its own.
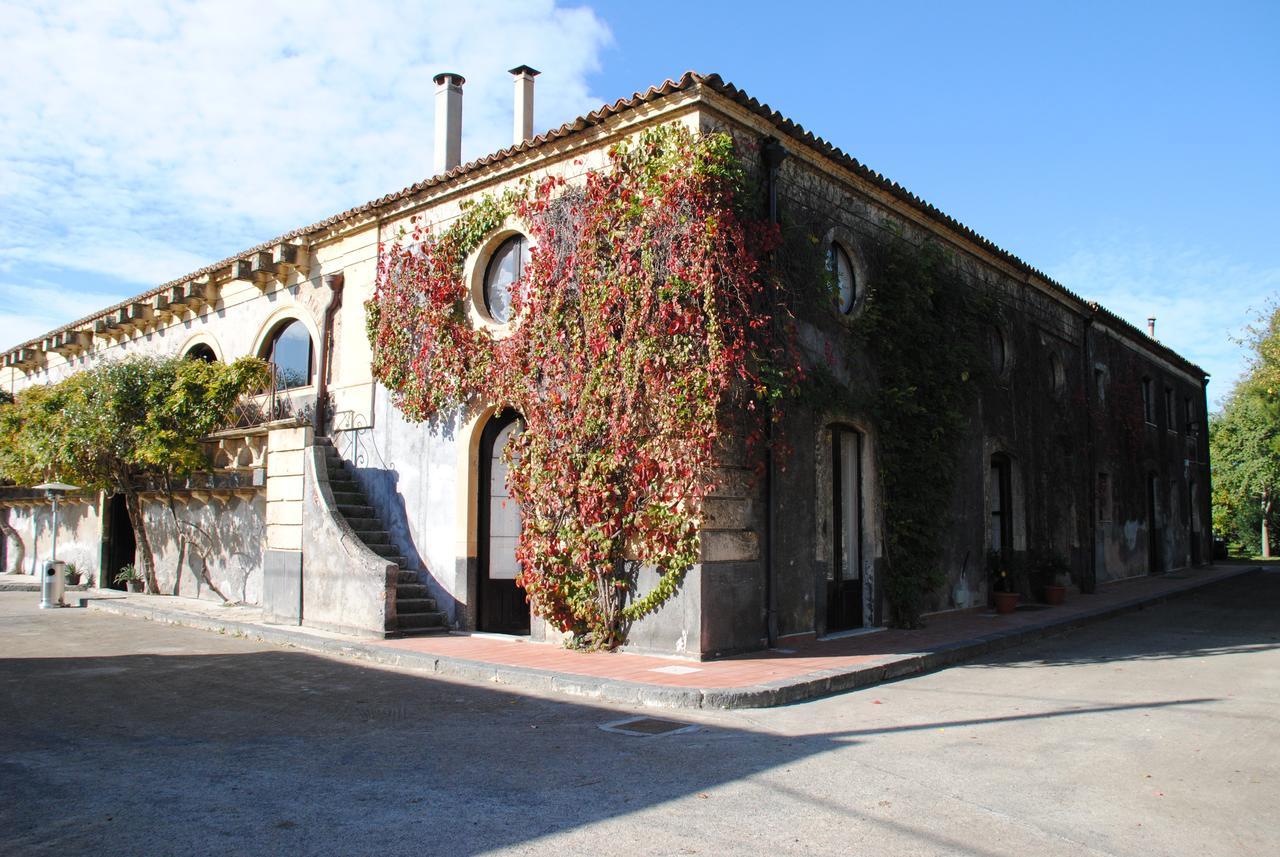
<point x="53" y="584"/>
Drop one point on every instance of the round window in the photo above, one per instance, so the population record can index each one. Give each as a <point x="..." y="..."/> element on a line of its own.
<point x="846" y="279"/>
<point x="999" y="353"/>
<point x="1057" y="374"/>
<point x="505" y="268"/>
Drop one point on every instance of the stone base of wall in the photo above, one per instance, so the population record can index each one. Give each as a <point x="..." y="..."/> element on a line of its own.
<point x="282" y="587"/>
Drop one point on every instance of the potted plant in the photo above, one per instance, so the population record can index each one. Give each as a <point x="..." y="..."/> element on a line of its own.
<point x="72" y="574"/>
<point x="1004" y="580"/>
<point x="130" y="577"/>
<point x="1054" y="574"/>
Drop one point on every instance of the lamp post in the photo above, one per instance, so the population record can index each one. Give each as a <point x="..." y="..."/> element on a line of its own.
<point x="53" y="490"/>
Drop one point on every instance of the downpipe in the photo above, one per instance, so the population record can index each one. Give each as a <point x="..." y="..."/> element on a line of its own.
<point x="335" y="282"/>
<point x="773" y="154"/>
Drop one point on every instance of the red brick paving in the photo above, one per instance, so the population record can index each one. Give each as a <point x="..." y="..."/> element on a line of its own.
<point x="807" y="657"/>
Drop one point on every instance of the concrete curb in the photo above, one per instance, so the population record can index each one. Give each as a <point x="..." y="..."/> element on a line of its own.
<point x="769" y="695"/>
<point x="34" y="586"/>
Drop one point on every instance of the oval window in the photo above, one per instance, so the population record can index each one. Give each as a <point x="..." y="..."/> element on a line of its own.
<point x="841" y="268"/>
<point x="1057" y="374"/>
<point x="289" y="350"/>
<point x="999" y="355"/>
<point x="504" y="270"/>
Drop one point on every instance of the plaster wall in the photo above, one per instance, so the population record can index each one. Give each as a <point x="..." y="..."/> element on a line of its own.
<point x="226" y="535"/>
<point x="345" y="587"/>
<point x="79" y="534"/>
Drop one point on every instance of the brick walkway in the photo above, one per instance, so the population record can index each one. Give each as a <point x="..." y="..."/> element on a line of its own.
<point x="804" y="668"/>
<point x="801" y="659"/>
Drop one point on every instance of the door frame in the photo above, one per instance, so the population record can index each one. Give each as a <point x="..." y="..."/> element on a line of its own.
<point x="487" y="591"/>
<point x="845" y="608"/>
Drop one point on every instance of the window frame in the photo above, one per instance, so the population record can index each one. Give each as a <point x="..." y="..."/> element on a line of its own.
<point x="836" y="251"/>
<point x="521" y="257"/>
<point x="1148" y="401"/>
<point x="267" y="352"/>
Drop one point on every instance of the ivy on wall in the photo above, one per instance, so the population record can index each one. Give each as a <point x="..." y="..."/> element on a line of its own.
<point x="639" y="321"/>
<point x="922" y="332"/>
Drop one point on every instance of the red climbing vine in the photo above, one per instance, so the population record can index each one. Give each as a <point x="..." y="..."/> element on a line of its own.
<point x="639" y="324"/>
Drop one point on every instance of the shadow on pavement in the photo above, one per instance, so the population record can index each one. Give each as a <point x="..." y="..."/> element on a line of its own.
<point x="1233" y="617"/>
<point x="286" y="752"/>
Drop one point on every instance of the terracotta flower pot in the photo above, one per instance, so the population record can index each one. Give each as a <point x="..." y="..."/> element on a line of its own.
<point x="1055" y="594"/>
<point x="1006" y="602"/>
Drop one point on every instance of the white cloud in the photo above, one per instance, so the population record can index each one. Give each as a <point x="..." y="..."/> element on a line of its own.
<point x="1201" y="302"/>
<point x="34" y="308"/>
<point x="145" y="139"/>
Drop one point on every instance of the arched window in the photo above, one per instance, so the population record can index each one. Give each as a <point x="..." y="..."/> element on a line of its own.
<point x="846" y="277"/>
<point x="505" y="268"/>
<point x="289" y="350"/>
<point x="200" y="351"/>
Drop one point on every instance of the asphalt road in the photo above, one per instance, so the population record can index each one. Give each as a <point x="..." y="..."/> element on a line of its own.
<point x="1153" y="734"/>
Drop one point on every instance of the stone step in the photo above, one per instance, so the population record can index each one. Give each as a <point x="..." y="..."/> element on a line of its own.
<point x="405" y="606"/>
<point x="411" y="591"/>
<point x="362" y="525"/>
<point x="418" y="632"/>
<point x="339" y="483"/>
<point x="390" y="551"/>
<point x="349" y="498"/>
<point x="406" y="575"/>
<point x="374" y="537"/>
<point x="355" y="510"/>
<point x="421" y="620"/>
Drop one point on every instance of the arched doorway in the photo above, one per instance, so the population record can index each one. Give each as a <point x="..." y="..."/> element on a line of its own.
<point x="502" y="606"/>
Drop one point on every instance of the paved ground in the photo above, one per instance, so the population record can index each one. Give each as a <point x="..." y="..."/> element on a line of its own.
<point x="801" y="668"/>
<point x="1154" y="734"/>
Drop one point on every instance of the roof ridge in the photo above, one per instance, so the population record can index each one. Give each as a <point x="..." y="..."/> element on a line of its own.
<point x="687" y="80"/>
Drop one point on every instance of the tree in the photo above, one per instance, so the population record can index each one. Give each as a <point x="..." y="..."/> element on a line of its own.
<point x="1244" y="444"/>
<point x="108" y="426"/>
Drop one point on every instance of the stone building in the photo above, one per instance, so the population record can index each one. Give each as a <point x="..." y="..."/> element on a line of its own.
<point x="1088" y="437"/>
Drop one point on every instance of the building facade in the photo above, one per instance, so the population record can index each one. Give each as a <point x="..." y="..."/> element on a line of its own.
<point x="328" y="508"/>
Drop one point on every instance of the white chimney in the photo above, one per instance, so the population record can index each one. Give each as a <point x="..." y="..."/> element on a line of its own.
<point x="1151" y="327"/>
<point x="522" y="129"/>
<point x="448" y="153"/>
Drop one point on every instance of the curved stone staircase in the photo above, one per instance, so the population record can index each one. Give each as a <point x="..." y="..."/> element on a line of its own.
<point x="416" y="610"/>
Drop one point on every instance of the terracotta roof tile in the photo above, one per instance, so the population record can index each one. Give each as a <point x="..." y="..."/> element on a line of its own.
<point x="689" y="80"/>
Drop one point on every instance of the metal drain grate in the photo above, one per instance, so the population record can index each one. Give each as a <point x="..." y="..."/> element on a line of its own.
<point x="647" y="727"/>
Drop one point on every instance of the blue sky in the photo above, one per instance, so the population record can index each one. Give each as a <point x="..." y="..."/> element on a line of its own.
<point x="1128" y="150"/>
